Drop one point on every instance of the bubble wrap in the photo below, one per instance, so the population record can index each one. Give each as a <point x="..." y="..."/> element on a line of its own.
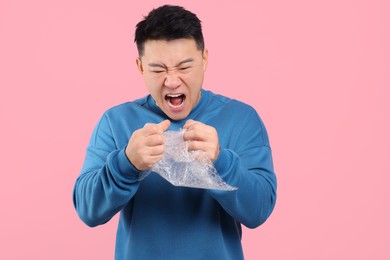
<point x="186" y="168"/>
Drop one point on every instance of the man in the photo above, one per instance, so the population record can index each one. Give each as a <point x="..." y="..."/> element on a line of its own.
<point x="159" y="220"/>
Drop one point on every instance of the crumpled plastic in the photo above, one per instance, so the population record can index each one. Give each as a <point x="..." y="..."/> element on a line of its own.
<point x="186" y="168"/>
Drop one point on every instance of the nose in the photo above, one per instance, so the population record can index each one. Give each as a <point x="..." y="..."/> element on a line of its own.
<point x="172" y="80"/>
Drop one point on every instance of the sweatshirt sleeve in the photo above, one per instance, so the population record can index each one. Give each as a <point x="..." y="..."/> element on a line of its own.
<point x="250" y="168"/>
<point x="107" y="181"/>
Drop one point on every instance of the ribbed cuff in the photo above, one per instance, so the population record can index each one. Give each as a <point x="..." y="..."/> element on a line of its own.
<point x="125" y="167"/>
<point x="226" y="166"/>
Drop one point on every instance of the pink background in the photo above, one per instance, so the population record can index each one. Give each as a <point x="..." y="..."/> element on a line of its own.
<point x="316" y="71"/>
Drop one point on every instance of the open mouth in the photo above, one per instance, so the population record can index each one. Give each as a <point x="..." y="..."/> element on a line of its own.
<point x="175" y="100"/>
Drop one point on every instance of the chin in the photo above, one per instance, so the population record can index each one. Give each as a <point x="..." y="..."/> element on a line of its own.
<point x="177" y="116"/>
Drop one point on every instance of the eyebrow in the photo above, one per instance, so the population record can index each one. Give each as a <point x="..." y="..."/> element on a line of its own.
<point x="164" y="66"/>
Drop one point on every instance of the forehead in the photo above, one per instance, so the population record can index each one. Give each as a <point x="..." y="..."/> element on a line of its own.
<point x="170" y="52"/>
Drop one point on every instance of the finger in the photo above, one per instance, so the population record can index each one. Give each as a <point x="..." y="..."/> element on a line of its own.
<point x="156" y="150"/>
<point x="196" y="145"/>
<point x="164" y="125"/>
<point x="189" y="123"/>
<point x="211" y="151"/>
<point x="154" y="140"/>
<point x="152" y="160"/>
<point x="151" y="129"/>
<point x="200" y="131"/>
<point x="196" y="125"/>
<point x="199" y="145"/>
<point x="192" y="134"/>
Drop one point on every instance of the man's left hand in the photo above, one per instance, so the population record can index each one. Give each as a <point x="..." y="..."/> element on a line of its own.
<point x="202" y="137"/>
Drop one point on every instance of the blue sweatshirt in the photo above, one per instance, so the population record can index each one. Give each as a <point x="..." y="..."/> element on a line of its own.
<point x="161" y="221"/>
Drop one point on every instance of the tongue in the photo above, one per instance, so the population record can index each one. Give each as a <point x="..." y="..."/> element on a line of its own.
<point x="176" y="101"/>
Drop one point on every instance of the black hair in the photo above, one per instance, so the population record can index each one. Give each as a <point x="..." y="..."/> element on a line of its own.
<point x="168" y="23"/>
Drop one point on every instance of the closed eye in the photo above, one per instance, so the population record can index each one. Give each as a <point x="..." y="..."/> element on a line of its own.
<point x="185" y="69"/>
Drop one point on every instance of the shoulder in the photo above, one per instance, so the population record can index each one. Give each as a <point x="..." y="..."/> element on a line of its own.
<point x="127" y="107"/>
<point x="128" y="115"/>
<point x="232" y="105"/>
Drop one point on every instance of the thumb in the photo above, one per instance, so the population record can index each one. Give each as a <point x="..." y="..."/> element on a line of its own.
<point x="164" y="125"/>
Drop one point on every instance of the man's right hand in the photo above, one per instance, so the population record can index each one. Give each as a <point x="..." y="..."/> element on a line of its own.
<point x="146" y="145"/>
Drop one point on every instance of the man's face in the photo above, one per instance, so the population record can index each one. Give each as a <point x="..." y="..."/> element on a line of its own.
<point x="173" y="72"/>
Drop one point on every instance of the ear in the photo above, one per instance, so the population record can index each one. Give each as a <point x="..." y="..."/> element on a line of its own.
<point x="205" y="59"/>
<point x="139" y="65"/>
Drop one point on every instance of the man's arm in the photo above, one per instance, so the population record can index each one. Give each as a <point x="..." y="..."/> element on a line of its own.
<point x="249" y="167"/>
<point x="109" y="179"/>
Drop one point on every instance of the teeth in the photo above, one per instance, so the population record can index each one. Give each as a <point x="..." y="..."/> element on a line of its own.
<point x="169" y="96"/>
<point x="174" y="95"/>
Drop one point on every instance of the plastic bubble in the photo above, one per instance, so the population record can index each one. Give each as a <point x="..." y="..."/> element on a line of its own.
<point x="186" y="168"/>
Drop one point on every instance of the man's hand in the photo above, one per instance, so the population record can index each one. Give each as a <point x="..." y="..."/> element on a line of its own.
<point x="202" y="137"/>
<point x="146" y="145"/>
